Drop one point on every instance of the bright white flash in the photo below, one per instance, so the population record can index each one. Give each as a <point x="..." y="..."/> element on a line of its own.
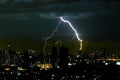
<point x="76" y="33"/>
<point x="49" y="37"/>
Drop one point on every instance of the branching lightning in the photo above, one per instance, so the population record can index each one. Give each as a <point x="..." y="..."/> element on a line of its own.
<point x="52" y="34"/>
<point x="49" y="37"/>
<point x="59" y="42"/>
<point x="76" y="33"/>
<point x="73" y="38"/>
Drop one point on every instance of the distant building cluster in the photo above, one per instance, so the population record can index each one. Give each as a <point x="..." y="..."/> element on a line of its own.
<point x="28" y="65"/>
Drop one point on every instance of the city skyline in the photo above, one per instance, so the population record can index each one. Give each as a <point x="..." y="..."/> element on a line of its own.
<point x="59" y="39"/>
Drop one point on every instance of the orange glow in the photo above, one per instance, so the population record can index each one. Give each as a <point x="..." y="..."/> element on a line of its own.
<point x="7" y="69"/>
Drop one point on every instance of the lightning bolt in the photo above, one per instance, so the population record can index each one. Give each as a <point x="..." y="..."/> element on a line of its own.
<point x="73" y="38"/>
<point x="59" y="42"/>
<point x="56" y="42"/>
<point x="49" y="37"/>
<point x="76" y="33"/>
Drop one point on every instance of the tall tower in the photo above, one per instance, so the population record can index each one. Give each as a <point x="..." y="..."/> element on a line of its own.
<point x="63" y="57"/>
<point x="54" y="56"/>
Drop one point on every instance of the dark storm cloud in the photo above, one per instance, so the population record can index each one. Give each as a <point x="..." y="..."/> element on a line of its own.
<point x="21" y="16"/>
<point x="101" y="26"/>
<point x="79" y="6"/>
<point x="47" y="15"/>
<point x="92" y="20"/>
<point x="37" y="24"/>
<point x="81" y="9"/>
<point x="40" y="1"/>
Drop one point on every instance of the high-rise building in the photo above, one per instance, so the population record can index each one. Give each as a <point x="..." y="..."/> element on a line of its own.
<point x="54" y="56"/>
<point x="63" y="57"/>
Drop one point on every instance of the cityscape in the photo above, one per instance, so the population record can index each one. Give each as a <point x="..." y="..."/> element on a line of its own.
<point x="59" y="40"/>
<point x="58" y="65"/>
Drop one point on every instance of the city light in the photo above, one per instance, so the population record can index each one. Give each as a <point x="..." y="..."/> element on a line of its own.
<point x="118" y="63"/>
<point x="21" y="69"/>
<point x="7" y="69"/>
<point x="45" y="66"/>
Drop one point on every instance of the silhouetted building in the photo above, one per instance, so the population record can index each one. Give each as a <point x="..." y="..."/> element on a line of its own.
<point x="28" y="59"/>
<point x="41" y="58"/>
<point x="11" y="52"/>
<point x="54" y="56"/>
<point x="63" y="57"/>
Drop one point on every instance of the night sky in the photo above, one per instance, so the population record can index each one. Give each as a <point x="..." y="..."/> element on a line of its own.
<point x="95" y="21"/>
